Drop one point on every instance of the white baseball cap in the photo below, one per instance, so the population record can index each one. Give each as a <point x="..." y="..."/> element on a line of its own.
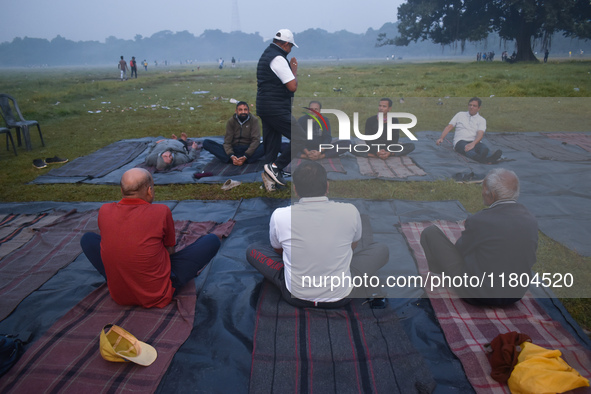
<point x="286" y="36"/>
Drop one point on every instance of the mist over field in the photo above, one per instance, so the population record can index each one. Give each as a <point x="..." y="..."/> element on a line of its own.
<point x="173" y="48"/>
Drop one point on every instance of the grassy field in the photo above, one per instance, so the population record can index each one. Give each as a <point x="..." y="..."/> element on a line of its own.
<point x="84" y="109"/>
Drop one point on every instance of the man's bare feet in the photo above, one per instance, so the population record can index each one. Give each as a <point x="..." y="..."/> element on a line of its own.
<point x="174" y="137"/>
<point x="183" y="136"/>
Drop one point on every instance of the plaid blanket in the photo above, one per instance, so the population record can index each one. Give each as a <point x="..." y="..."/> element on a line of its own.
<point x="469" y="328"/>
<point x="17" y="229"/>
<point x="52" y="247"/>
<point x="581" y="140"/>
<point x="392" y="167"/>
<point x="350" y="349"/>
<point x="103" y="161"/>
<point x="188" y="232"/>
<point x="538" y="146"/>
<point x="66" y="358"/>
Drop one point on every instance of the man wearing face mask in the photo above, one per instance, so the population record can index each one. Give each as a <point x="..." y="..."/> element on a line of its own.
<point x="242" y="142"/>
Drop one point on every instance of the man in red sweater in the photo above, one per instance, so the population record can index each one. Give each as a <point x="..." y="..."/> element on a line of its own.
<point x="135" y="250"/>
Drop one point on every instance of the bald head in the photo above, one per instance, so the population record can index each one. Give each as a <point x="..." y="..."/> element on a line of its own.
<point x="500" y="184"/>
<point x="137" y="183"/>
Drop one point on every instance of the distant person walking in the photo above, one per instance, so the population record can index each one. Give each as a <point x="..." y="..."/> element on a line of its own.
<point x="133" y="66"/>
<point x="546" y="53"/>
<point x="123" y="68"/>
<point x="145" y="65"/>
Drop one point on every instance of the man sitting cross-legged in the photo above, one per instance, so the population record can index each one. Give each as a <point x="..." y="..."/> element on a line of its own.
<point x="316" y="240"/>
<point x="135" y="251"/>
<point x="319" y="144"/>
<point x="382" y="147"/>
<point x="242" y="142"/>
<point x="497" y="242"/>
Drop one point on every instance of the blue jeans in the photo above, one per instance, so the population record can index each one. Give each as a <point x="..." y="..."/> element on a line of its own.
<point x="479" y="153"/>
<point x="217" y="149"/>
<point x="185" y="264"/>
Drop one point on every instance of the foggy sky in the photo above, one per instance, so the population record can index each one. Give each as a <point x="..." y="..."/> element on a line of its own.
<point x="83" y="20"/>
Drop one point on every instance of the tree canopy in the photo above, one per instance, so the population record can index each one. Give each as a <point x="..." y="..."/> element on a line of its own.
<point x="449" y="22"/>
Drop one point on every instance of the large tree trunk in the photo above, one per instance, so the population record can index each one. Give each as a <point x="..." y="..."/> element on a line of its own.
<point x="523" y="41"/>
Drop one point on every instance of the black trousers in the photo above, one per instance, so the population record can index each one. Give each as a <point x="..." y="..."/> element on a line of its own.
<point x="274" y="127"/>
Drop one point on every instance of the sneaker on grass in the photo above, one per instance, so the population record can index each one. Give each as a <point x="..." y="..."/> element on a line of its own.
<point x="39" y="163"/>
<point x="274" y="173"/>
<point x="55" y="160"/>
<point x="268" y="182"/>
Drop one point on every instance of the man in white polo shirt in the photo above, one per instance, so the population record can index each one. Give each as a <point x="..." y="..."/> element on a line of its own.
<point x="316" y="246"/>
<point x="470" y="128"/>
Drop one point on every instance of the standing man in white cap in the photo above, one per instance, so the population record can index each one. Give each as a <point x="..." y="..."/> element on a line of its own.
<point x="276" y="84"/>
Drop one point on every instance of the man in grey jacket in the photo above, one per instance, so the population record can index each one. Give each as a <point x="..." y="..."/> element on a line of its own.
<point x="242" y="142"/>
<point x="167" y="154"/>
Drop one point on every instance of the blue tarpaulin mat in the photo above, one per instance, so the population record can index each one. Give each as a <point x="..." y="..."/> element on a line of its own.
<point x="558" y="192"/>
<point x="217" y="355"/>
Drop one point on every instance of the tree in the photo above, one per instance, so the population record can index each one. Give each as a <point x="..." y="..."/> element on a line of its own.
<point x="448" y="22"/>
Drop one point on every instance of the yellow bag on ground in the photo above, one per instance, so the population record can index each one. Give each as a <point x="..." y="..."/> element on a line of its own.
<point x="540" y="370"/>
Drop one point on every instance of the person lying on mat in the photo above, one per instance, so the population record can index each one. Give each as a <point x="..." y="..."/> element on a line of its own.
<point x="135" y="251"/>
<point x="319" y="141"/>
<point x="382" y="147"/>
<point x="167" y="154"/>
<point x="498" y="245"/>
<point x="470" y="128"/>
<point x="316" y="243"/>
<point x="242" y="142"/>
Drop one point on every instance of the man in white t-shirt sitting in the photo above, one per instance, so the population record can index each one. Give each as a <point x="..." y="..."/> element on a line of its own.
<point x="316" y="246"/>
<point x="470" y="128"/>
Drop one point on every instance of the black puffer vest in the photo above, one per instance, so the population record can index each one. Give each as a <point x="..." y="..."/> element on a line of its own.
<point x="273" y="98"/>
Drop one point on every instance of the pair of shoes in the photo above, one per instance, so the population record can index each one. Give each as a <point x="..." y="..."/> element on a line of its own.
<point x="274" y="173"/>
<point x="230" y="184"/>
<point x="55" y="160"/>
<point x="468" y="178"/>
<point x="269" y="183"/>
<point x="39" y="163"/>
<point x="492" y="159"/>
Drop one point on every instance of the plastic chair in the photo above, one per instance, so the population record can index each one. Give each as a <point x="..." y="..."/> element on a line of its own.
<point x="21" y="125"/>
<point x="6" y="131"/>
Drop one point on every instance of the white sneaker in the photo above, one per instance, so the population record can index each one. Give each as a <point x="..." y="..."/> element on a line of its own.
<point x="268" y="182"/>
<point x="274" y="173"/>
